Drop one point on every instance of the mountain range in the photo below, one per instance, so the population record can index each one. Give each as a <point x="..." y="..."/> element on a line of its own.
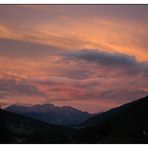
<point x="126" y="124"/>
<point x="50" y="113"/>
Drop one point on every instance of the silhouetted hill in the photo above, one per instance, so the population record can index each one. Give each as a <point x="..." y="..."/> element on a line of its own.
<point x="16" y="128"/>
<point x="125" y="124"/>
<point x="50" y="113"/>
<point x="96" y="119"/>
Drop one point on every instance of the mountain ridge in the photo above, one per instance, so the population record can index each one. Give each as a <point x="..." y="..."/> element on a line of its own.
<point x="65" y="115"/>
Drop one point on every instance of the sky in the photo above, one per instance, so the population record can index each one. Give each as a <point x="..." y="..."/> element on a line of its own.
<point x="91" y="57"/>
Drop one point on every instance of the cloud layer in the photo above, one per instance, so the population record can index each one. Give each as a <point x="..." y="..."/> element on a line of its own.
<point x="93" y="57"/>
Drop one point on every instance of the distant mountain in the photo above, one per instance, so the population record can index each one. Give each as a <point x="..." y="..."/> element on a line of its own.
<point x="15" y="128"/>
<point x="125" y="124"/>
<point x="50" y="113"/>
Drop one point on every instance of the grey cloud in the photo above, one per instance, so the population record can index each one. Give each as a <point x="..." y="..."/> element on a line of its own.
<point x="15" y="48"/>
<point x="11" y="87"/>
<point x="113" y="61"/>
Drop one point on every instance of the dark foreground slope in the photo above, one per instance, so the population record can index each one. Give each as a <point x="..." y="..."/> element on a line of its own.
<point x="125" y="124"/>
<point x="3" y="128"/>
<point x="16" y="128"/>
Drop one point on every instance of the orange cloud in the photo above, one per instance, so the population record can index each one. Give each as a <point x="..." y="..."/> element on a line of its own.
<point x="91" y="32"/>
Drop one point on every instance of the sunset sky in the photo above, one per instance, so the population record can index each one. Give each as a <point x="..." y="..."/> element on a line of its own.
<point x="92" y="57"/>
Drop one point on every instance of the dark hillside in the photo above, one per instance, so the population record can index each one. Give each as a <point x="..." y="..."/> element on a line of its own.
<point x="20" y="129"/>
<point x="125" y="124"/>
